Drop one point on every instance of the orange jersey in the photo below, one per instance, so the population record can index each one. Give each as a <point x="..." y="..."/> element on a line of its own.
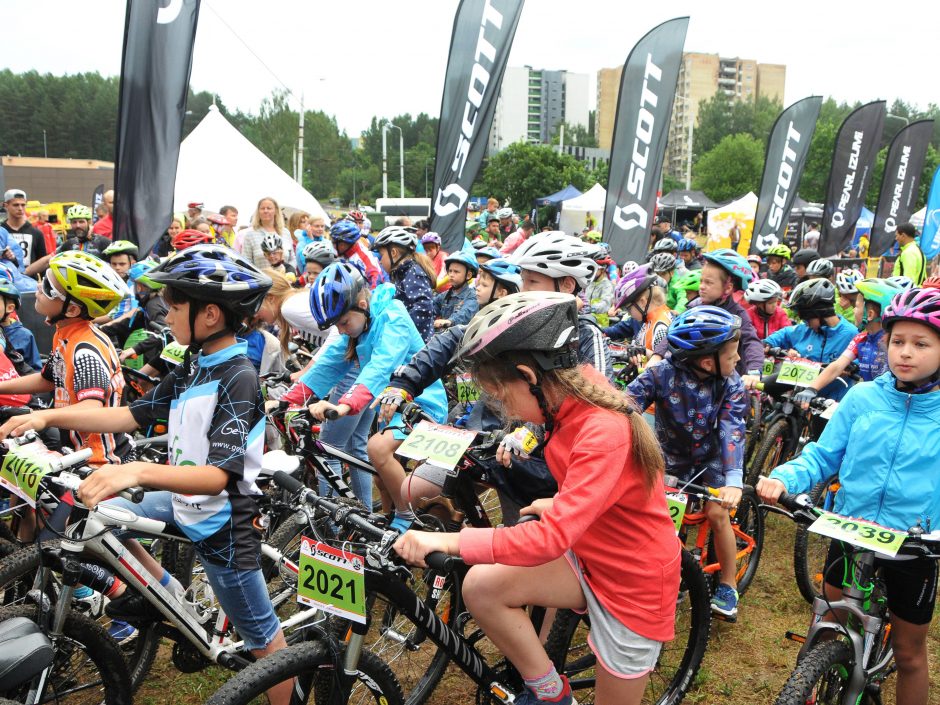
<point x="84" y="365"/>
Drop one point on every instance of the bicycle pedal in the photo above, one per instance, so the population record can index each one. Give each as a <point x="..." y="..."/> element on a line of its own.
<point x="793" y="636"/>
<point x="730" y="619"/>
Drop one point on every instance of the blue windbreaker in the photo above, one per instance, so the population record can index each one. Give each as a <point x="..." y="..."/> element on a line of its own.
<point x="885" y="446"/>
<point x="824" y="345"/>
<point x="391" y="340"/>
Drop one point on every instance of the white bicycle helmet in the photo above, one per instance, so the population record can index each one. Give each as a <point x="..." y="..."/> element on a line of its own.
<point x="762" y="290"/>
<point x="396" y="235"/>
<point x="904" y="282"/>
<point x="821" y="267"/>
<point x="663" y="262"/>
<point x="271" y="242"/>
<point x="556" y="255"/>
<point x="322" y="252"/>
<point x="504" y="213"/>
<point x="846" y="281"/>
<point x="629" y="266"/>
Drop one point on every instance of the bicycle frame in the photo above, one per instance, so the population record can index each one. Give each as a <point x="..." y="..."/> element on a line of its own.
<point x="87" y="535"/>
<point x="701" y="542"/>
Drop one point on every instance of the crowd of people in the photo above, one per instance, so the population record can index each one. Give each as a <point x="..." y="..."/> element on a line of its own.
<point x="532" y="316"/>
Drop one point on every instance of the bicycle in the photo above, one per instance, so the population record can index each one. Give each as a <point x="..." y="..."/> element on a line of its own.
<point x="809" y="549"/>
<point x="845" y="661"/>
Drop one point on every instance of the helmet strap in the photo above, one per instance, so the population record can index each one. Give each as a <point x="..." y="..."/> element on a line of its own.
<point x="61" y="315"/>
<point x="536" y="391"/>
<point x="911" y="388"/>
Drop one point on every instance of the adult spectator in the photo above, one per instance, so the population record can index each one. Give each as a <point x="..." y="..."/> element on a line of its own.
<point x="25" y="234"/>
<point x="80" y="237"/>
<point x="227" y="230"/>
<point x="105" y="224"/>
<point x="45" y="227"/>
<point x="193" y="211"/>
<point x="506" y="226"/>
<point x="911" y="262"/>
<point x="491" y="234"/>
<point x="811" y="237"/>
<point x="665" y="229"/>
<point x="517" y="238"/>
<point x="267" y="219"/>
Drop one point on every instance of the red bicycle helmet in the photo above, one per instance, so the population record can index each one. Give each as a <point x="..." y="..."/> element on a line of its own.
<point x="188" y="238"/>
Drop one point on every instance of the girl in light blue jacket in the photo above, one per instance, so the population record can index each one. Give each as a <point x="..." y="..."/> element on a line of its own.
<point x="883" y="441"/>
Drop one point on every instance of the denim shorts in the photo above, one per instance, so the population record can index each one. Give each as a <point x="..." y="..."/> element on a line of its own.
<point x="242" y="593"/>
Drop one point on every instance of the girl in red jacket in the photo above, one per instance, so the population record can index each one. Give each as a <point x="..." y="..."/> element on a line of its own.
<point x="605" y="542"/>
<point x="764" y="310"/>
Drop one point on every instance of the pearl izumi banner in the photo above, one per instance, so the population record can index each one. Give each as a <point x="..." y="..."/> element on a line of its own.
<point x="479" y="48"/>
<point x="900" y="184"/>
<point x="158" y="57"/>
<point x="857" y="146"/>
<point x="783" y="167"/>
<point x="641" y="128"/>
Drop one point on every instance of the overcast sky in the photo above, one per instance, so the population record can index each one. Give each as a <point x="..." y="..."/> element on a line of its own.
<point x="359" y="58"/>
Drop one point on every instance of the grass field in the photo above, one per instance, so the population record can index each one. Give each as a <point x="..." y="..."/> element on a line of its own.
<point x="746" y="662"/>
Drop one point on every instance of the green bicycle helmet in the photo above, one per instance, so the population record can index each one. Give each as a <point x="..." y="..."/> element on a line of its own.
<point x="781" y="251"/>
<point x="690" y="281"/>
<point x="121" y="247"/>
<point x="78" y="212"/>
<point x="878" y="291"/>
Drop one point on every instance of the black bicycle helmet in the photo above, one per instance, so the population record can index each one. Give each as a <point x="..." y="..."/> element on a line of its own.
<point x="804" y="257"/>
<point x="813" y="298"/>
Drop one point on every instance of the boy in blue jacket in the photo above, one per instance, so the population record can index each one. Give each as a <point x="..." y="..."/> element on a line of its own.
<point x="456" y="306"/>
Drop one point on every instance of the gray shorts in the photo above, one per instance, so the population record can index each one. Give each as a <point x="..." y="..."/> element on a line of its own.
<point x="621" y="651"/>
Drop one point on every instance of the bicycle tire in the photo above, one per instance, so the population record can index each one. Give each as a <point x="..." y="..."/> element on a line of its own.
<point x="104" y="657"/>
<point x="770" y="451"/>
<point x="813" y="668"/>
<point x="17" y="572"/>
<point x="679" y="661"/>
<point x="804" y="573"/>
<point x="749" y="519"/>
<point x="310" y="660"/>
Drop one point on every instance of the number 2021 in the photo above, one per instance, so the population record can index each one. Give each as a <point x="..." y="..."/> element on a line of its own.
<point x="320" y="581"/>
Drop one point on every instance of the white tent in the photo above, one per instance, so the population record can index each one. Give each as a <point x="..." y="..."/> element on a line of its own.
<point x="575" y="211"/>
<point x="218" y="166"/>
<point x="737" y="214"/>
<point x="917" y="219"/>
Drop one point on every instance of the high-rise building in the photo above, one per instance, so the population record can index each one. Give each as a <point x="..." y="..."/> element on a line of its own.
<point x="701" y="76"/>
<point x="534" y="102"/>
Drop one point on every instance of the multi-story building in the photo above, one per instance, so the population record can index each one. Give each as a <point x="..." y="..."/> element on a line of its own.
<point x="701" y="76"/>
<point x="534" y="102"/>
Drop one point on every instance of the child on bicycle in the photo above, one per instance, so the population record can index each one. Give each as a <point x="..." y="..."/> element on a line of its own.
<point x="898" y="489"/>
<point x="603" y="539"/>
<point x="17" y="336"/>
<point x="376" y="336"/>
<point x="216" y="431"/>
<point x="639" y="296"/>
<point x="700" y="405"/>
<point x="411" y="272"/>
<point x="763" y="297"/>
<point x="457" y="305"/>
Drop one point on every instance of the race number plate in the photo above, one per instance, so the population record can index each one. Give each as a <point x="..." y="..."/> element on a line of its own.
<point x="22" y="469"/>
<point x="677" y="503"/>
<point x="467" y="391"/>
<point x="439" y="445"/>
<point x="768" y="368"/>
<point x="858" y="532"/>
<point x="800" y="372"/>
<point x="332" y="580"/>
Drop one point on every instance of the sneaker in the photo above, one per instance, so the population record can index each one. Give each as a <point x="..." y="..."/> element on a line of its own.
<point x="725" y="602"/>
<point x="121" y="631"/>
<point x="527" y="697"/>
<point x="131" y="606"/>
<point x="88" y="601"/>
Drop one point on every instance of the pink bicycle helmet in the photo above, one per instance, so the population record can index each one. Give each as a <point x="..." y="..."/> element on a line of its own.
<point x="631" y="285"/>
<point x="918" y="305"/>
<point x="431" y="239"/>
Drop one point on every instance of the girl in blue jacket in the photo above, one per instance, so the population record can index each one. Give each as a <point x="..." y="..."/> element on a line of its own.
<point x="378" y="335"/>
<point x="892" y="480"/>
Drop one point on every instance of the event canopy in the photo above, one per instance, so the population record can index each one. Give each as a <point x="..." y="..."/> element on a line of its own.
<point x="218" y="166"/>
<point x="576" y="212"/>
<point x="568" y="192"/>
<point x="737" y="214"/>
<point x="687" y="200"/>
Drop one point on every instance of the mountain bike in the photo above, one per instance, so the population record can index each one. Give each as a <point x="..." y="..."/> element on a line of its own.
<point x="809" y="549"/>
<point x="844" y="660"/>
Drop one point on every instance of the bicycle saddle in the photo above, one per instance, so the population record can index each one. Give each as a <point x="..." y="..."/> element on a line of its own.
<point x="24" y="651"/>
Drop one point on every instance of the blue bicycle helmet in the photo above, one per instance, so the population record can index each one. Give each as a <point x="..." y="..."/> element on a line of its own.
<point x="686" y="245"/>
<point x="733" y="263"/>
<point x="140" y="271"/>
<point x="466" y="259"/>
<point x="701" y="330"/>
<point x="505" y="273"/>
<point x="488" y="251"/>
<point x="345" y="231"/>
<point x="8" y="290"/>
<point x="334" y="293"/>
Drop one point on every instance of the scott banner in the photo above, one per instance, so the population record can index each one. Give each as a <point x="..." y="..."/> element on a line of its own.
<point x="857" y="146"/>
<point x="158" y="57"/>
<point x="641" y="128"/>
<point x="783" y="168"/>
<point x="930" y="235"/>
<point x="900" y="184"/>
<point x="479" y="48"/>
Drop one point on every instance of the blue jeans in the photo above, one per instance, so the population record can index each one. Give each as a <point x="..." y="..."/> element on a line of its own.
<point x="242" y="593"/>
<point x="350" y="434"/>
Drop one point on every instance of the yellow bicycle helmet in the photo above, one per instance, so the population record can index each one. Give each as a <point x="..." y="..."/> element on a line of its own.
<point x="78" y="211"/>
<point x="89" y="281"/>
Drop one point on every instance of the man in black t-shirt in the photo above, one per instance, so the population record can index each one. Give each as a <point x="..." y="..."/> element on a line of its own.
<point x="29" y="237"/>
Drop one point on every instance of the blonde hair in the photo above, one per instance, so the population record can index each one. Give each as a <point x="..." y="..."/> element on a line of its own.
<point x="293" y="223"/>
<point x="278" y="216"/>
<point x="422" y="259"/>
<point x="557" y="384"/>
<point x="280" y="291"/>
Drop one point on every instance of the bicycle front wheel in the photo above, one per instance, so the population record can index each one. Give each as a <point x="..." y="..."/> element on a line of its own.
<point x="317" y="673"/>
<point x="809" y="549"/>
<point x="820" y="677"/>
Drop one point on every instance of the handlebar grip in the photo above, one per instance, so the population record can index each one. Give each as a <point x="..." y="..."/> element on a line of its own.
<point x="133" y="494"/>
<point x="331" y="414"/>
<point x="794" y="502"/>
<point x="287" y="482"/>
<point x="443" y="562"/>
<point x="759" y="386"/>
<point x="528" y="517"/>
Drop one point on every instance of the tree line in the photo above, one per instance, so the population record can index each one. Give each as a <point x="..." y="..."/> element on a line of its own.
<point x="75" y="116"/>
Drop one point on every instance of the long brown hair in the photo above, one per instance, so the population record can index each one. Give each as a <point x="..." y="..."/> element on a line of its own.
<point x="572" y="382"/>
<point x="422" y="259"/>
<point x="280" y="291"/>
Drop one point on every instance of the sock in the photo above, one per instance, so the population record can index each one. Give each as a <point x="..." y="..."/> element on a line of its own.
<point x="547" y="687"/>
<point x="405" y="515"/>
<point x="168" y="581"/>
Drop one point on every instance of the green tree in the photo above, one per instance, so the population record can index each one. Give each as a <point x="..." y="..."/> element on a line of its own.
<point x="721" y="116"/>
<point x="522" y="172"/>
<point x="575" y="136"/>
<point x="819" y="159"/>
<point x="731" y="169"/>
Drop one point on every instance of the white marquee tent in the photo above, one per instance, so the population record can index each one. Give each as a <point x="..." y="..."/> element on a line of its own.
<point x="575" y="211"/>
<point x="218" y="166"/>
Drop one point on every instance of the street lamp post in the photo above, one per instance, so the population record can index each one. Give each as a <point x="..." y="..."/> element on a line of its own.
<point x="426" y="162"/>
